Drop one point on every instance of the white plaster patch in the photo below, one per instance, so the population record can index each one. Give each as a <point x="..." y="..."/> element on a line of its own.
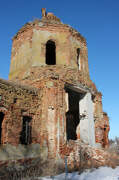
<point x="66" y="100"/>
<point x="51" y="129"/>
<point x="87" y="130"/>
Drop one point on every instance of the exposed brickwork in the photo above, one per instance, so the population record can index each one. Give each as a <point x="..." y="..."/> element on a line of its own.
<point x="27" y="102"/>
<point x="101" y="121"/>
<point x="80" y="155"/>
<point x="25" y="51"/>
<point x="42" y="92"/>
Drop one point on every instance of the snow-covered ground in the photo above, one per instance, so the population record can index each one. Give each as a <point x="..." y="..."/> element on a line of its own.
<point x="102" y="173"/>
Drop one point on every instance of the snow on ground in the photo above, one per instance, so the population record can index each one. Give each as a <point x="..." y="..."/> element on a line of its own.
<point x="102" y="173"/>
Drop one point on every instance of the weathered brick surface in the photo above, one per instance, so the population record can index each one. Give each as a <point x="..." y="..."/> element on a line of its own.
<point x="27" y="102"/>
<point x="101" y="122"/>
<point x="80" y="155"/>
<point x="29" y="46"/>
<point x="39" y="91"/>
<point x="76" y="154"/>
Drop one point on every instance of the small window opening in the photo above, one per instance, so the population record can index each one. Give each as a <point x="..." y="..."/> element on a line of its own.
<point x="72" y="116"/>
<point x="50" y="53"/>
<point x="1" y="120"/>
<point x="78" y="57"/>
<point x="25" y="137"/>
<point x="15" y="100"/>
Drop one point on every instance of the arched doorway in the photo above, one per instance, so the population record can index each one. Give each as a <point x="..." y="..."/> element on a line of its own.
<point x="1" y="120"/>
<point x="50" y="53"/>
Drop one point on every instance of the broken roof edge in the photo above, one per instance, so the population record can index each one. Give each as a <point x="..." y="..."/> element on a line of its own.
<point x="18" y="85"/>
<point x="49" y="21"/>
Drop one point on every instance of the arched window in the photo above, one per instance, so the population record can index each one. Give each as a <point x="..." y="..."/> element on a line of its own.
<point x="50" y="53"/>
<point x="1" y="120"/>
<point x="78" y="57"/>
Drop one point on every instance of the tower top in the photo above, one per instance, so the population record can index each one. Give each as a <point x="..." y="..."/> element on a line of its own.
<point x="47" y="41"/>
<point x="43" y="10"/>
<point x="49" y="15"/>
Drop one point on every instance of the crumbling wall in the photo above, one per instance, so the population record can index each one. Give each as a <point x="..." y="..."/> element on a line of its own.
<point x="45" y="102"/>
<point x="16" y="102"/>
<point x="66" y="74"/>
<point x="106" y="130"/>
<point x="53" y="127"/>
<point x="46" y="106"/>
<point x="21" y="50"/>
<point x="101" y="122"/>
<point x="42" y="95"/>
<point x="80" y="156"/>
<point x="29" y="47"/>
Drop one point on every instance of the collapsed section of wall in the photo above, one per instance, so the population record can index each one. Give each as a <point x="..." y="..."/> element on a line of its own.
<point x="20" y="106"/>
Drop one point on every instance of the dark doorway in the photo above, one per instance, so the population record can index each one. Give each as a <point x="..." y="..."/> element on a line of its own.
<point x="72" y="116"/>
<point x="78" y="55"/>
<point x="1" y="120"/>
<point x="50" y="53"/>
<point x="25" y="137"/>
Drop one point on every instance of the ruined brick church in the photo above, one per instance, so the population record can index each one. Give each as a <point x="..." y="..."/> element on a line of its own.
<point x="49" y="98"/>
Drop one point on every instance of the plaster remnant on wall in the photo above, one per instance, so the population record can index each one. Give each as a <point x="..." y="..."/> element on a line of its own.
<point x="52" y="86"/>
<point x="66" y="100"/>
<point x="51" y="130"/>
<point x="87" y="133"/>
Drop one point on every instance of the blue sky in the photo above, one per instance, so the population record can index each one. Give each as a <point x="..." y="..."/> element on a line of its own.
<point x="96" y="20"/>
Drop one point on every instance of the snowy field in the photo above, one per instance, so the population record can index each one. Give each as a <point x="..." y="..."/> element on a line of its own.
<point x="102" y="173"/>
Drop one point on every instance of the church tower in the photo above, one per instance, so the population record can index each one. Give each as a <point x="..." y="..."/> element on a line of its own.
<point x="47" y="42"/>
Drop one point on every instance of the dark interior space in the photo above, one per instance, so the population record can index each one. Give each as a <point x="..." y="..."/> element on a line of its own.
<point x="25" y="137"/>
<point x="15" y="100"/>
<point x="50" y="53"/>
<point x="1" y="120"/>
<point x="72" y="116"/>
<point x="78" y="54"/>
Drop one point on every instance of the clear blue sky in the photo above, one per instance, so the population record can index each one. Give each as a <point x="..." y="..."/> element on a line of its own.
<point x="96" y="20"/>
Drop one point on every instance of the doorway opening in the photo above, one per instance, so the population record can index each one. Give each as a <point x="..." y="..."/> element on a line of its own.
<point x="50" y="53"/>
<point x="25" y="137"/>
<point x="72" y="116"/>
<point x="1" y="120"/>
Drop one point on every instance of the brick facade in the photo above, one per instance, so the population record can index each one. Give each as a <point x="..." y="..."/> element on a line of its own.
<point x="36" y="101"/>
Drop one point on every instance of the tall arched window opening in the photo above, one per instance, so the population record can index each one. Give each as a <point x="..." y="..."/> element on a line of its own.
<point x="78" y="57"/>
<point x="1" y="120"/>
<point x="50" y="53"/>
<point x="25" y="137"/>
